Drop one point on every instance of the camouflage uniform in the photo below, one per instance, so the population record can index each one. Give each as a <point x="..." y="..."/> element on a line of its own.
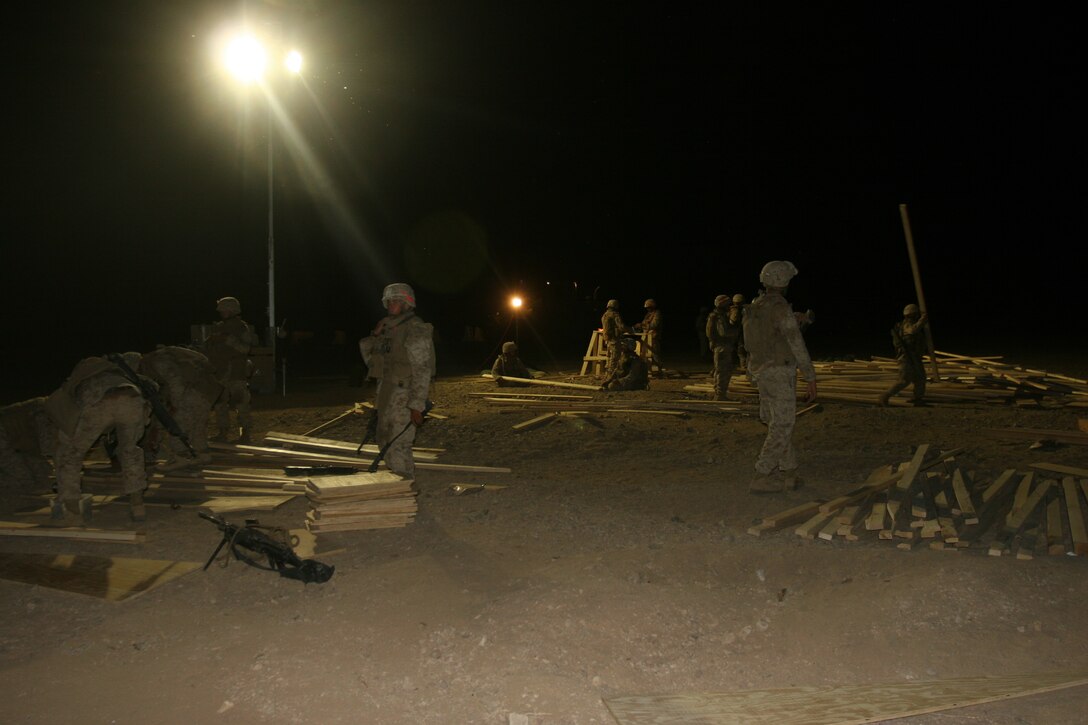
<point x="775" y="352"/>
<point x="612" y="328"/>
<point x="400" y="355"/>
<point x="188" y="388"/>
<point x="651" y="326"/>
<point x="97" y="398"/>
<point x="27" y="436"/>
<point x="509" y="365"/>
<point x="909" y="338"/>
<point x="228" y="349"/>
<point x="723" y="332"/>
<point x="631" y="373"/>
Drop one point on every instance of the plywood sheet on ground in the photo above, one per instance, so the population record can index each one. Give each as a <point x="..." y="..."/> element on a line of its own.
<point x="112" y="578"/>
<point x="848" y="704"/>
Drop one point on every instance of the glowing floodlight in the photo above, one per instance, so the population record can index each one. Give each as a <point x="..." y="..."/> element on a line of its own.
<point x="293" y="61"/>
<point x="516" y="302"/>
<point x="245" y="59"/>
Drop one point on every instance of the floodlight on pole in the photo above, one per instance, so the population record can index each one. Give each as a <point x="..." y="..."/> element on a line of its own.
<point x="515" y="304"/>
<point x="245" y="59"/>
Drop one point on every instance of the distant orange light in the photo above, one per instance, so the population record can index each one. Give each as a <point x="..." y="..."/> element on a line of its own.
<point x="515" y="302"/>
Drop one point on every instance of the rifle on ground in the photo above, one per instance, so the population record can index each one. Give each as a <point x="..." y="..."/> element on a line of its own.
<point x="279" y="554"/>
<point x="151" y="395"/>
<point x="385" y="449"/>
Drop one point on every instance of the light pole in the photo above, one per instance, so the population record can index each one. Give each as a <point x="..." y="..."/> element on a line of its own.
<point x="245" y="58"/>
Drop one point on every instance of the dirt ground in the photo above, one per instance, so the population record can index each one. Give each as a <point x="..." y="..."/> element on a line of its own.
<point x="614" y="562"/>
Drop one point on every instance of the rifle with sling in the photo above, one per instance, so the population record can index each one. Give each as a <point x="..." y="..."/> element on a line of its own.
<point x="385" y="449"/>
<point x="280" y="556"/>
<point x="151" y="395"/>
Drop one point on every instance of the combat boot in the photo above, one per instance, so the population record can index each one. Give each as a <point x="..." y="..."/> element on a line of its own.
<point x="763" y="483"/>
<point x="72" y="512"/>
<point x="137" y="508"/>
<point x="245" y="438"/>
<point x="791" y="481"/>
<point x="882" y="401"/>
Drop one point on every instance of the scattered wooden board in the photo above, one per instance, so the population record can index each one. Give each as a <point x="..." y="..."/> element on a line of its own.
<point x="20" y="528"/>
<point x="112" y="578"/>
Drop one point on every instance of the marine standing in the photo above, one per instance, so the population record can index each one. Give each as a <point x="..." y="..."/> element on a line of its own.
<point x="909" y="338"/>
<point x="651" y="329"/>
<point x="228" y="349"/>
<point x="776" y="351"/>
<point x="723" y="332"/>
<point x="399" y="354"/>
<point x="612" y="328"/>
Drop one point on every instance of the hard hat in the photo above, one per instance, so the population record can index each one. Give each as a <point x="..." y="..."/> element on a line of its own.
<point x="509" y="348"/>
<point x="612" y="304"/>
<point x="649" y="303"/>
<point x="777" y="274"/>
<point x="230" y="305"/>
<point x="738" y="299"/>
<point x="722" y="300"/>
<point x="911" y="310"/>
<point x="399" y="291"/>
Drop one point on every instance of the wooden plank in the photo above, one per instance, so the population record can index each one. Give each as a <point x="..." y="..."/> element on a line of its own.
<point x="1017" y="517"/>
<point x="555" y="383"/>
<point x="536" y="422"/>
<point x="998" y="485"/>
<point x="830" y="528"/>
<point x="1076" y="516"/>
<point x="964" y="506"/>
<point x="879" y="515"/>
<point x="892" y="479"/>
<point x="1021" y="495"/>
<point x="809" y="529"/>
<point x="1059" y="468"/>
<point x="1054" y="539"/>
<point x="19" y="528"/>
<point x="340" y="447"/>
<point x="112" y="578"/>
<point x="785" y="518"/>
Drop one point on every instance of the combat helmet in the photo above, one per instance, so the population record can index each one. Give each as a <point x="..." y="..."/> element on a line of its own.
<point x="399" y="291"/>
<point x="777" y="274"/>
<point x="722" y="300"/>
<point x="509" y="348"/>
<point x="649" y="303"/>
<point x="738" y="299"/>
<point x="229" y="305"/>
<point x="911" y="310"/>
<point x="613" y="305"/>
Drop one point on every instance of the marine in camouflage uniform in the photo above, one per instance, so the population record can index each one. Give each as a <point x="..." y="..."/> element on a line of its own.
<point x="399" y="354"/>
<point x="228" y="348"/>
<point x="775" y="352"/>
<point x="651" y="326"/>
<point x="612" y="328"/>
<point x="27" y="436"/>
<point x="631" y="373"/>
<point x="723" y="333"/>
<point x="909" y="338"/>
<point x="509" y="366"/>
<point x="96" y="399"/>
<point x="188" y="387"/>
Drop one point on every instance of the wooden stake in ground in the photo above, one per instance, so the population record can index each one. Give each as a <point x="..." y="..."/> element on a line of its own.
<point x="918" y="286"/>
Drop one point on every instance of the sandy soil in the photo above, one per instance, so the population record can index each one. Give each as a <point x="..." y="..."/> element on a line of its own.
<point x="615" y="562"/>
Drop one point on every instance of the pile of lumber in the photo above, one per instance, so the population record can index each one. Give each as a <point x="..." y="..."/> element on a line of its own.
<point x="379" y="500"/>
<point x="929" y="499"/>
<point x="963" y="380"/>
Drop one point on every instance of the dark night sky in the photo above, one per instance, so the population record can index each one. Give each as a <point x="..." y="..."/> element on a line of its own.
<point x="478" y="148"/>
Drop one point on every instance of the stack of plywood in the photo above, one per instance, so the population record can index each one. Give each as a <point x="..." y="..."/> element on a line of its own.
<point x="380" y="500"/>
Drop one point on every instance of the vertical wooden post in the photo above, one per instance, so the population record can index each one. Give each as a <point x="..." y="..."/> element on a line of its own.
<point x="918" y="287"/>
